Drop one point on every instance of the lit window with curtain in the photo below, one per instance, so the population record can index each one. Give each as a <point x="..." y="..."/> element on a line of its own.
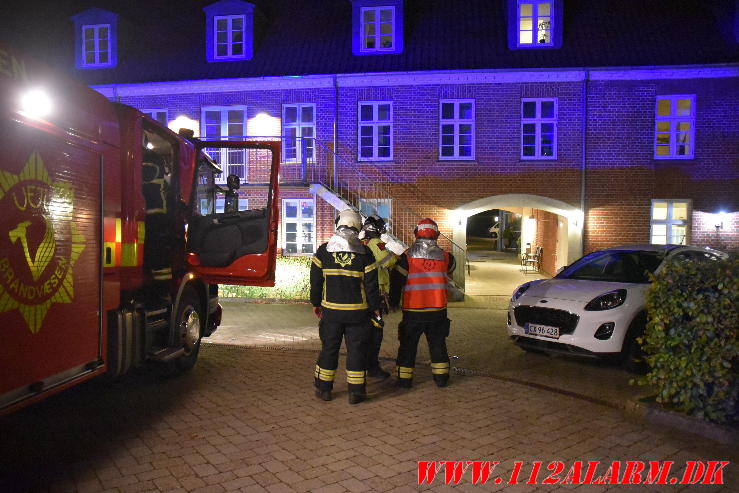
<point x="534" y="23"/>
<point x="674" y="131"/>
<point x="670" y="222"/>
<point x="377" y="25"/>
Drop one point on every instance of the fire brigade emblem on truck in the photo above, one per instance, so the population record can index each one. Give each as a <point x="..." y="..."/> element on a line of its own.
<point x="39" y="242"/>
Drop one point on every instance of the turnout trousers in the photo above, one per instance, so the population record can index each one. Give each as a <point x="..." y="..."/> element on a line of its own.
<point x="409" y="333"/>
<point x="331" y="334"/>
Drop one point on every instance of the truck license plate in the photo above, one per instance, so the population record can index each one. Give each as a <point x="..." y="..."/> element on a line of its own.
<point x="541" y="330"/>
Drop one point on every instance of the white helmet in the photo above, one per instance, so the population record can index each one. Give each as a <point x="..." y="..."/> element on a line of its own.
<point x="349" y="218"/>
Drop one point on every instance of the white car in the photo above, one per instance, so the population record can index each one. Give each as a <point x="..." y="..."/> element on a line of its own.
<point x="596" y="306"/>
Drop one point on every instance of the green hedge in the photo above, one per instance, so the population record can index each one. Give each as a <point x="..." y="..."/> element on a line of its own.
<point x="292" y="282"/>
<point x="691" y="339"/>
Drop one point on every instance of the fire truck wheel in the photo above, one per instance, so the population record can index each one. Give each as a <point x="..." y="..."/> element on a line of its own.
<point x="190" y="325"/>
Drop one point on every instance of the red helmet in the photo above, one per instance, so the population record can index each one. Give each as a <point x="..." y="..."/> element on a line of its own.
<point x="426" y="228"/>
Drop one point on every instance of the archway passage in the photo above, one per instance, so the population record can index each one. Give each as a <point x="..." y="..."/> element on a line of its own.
<point x="499" y="229"/>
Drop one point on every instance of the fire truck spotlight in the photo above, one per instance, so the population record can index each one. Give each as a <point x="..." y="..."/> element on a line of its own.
<point x="36" y="103"/>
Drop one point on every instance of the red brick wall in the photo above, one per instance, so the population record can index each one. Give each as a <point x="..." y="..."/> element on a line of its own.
<point x="621" y="179"/>
<point x="546" y="237"/>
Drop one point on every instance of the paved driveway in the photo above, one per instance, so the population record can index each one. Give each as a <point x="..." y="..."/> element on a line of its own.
<point x="245" y="419"/>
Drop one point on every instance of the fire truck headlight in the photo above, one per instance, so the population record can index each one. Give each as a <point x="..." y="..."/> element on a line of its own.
<point x="36" y="103"/>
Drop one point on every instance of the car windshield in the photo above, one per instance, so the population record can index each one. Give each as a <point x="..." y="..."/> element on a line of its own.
<point x="631" y="266"/>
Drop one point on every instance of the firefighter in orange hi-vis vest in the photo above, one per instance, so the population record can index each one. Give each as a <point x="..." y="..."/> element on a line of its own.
<point x="420" y="276"/>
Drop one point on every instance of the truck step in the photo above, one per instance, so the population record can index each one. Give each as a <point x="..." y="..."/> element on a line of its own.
<point x="154" y="325"/>
<point x="167" y="354"/>
<point x="157" y="312"/>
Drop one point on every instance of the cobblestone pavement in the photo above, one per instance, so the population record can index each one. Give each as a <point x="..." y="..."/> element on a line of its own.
<point x="477" y="339"/>
<point x="246" y="419"/>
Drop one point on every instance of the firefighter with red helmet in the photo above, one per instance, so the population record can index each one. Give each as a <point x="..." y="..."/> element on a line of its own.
<point x="374" y="227"/>
<point x="344" y="294"/>
<point x="421" y="278"/>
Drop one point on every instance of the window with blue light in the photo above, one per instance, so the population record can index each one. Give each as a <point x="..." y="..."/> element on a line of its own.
<point x="298" y="132"/>
<point x="377" y="27"/>
<point x="375" y="130"/>
<point x="539" y="128"/>
<point x="96" y="39"/>
<point x="159" y="115"/>
<point x="229" y="31"/>
<point x="457" y="129"/>
<point x="229" y="36"/>
<point x="225" y="123"/>
<point x="96" y="45"/>
<point x="674" y="131"/>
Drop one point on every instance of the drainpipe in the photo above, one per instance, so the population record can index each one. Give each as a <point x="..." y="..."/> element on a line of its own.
<point x="584" y="150"/>
<point x="336" y="129"/>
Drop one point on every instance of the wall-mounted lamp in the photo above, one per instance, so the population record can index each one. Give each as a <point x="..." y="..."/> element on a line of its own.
<point x="183" y="121"/>
<point x="719" y="220"/>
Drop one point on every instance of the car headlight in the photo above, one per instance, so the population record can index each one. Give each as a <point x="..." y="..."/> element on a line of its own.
<point x="611" y="299"/>
<point x="520" y="291"/>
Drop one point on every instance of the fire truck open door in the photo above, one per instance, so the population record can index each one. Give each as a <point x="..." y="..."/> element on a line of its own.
<point x="236" y="247"/>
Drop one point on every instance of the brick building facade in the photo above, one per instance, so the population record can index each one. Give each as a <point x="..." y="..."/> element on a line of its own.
<point x="602" y="130"/>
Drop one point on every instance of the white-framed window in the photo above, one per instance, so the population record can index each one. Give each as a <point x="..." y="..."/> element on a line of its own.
<point x="670" y="221"/>
<point x="228" y="31"/>
<point x="457" y="129"/>
<point x="159" y="115"/>
<point x="375" y="130"/>
<point x="674" y="129"/>
<point x="539" y="128"/>
<point x="298" y="226"/>
<point x="298" y="131"/>
<point x="96" y="45"/>
<point x="378" y="28"/>
<point x="379" y="207"/>
<point x="221" y="204"/>
<point x="225" y="123"/>
<point x="535" y="23"/>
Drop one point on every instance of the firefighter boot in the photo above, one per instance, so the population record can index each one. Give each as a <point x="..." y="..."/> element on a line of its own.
<point x="324" y="395"/>
<point x="356" y="398"/>
<point x="441" y="380"/>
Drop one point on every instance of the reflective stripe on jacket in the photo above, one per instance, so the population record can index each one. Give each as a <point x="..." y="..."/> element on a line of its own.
<point x="425" y="287"/>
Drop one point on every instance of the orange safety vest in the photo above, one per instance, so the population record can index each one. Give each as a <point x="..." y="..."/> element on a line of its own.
<point x="425" y="286"/>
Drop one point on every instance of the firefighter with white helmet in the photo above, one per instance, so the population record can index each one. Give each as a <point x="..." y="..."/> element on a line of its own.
<point x="373" y="229"/>
<point x="421" y="278"/>
<point x="344" y="294"/>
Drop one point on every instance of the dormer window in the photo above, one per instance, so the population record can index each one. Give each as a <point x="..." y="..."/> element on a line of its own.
<point x="229" y="31"/>
<point x="377" y="27"/>
<point x="96" y="40"/>
<point x="229" y="36"/>
<point x="534" y="24"/>
<point x="96" y="45"/>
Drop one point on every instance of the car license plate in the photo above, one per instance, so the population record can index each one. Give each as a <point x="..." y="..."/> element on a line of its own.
<point x="541" y="330"/>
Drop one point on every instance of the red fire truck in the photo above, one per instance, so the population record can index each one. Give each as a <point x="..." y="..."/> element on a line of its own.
<point x="111" y="243"/>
